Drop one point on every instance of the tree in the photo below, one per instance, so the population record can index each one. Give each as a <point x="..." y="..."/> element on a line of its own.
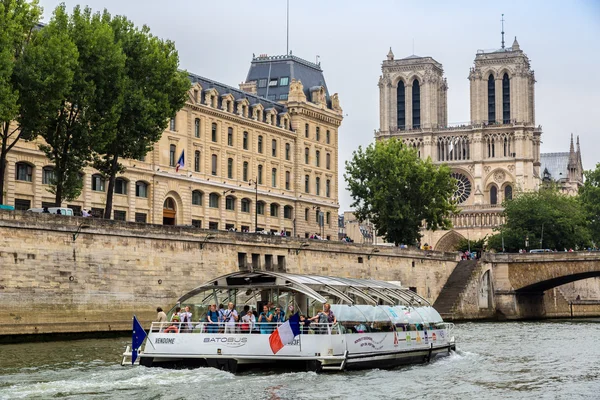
<point x="18" y="19"/>
<point x="153" y="90"/>
<point x="86" y="114"/>
<point x="471" y="245"/>
<point x="397" y="191"/>
<point x="589" y="195"/>
<point x="561" y="218"/>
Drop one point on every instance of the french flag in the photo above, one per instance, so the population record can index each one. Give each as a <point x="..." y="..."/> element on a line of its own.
<point x="181" y="161"/>
<point x="285" y="333"/>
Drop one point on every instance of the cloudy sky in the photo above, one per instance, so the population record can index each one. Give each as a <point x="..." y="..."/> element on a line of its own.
<point x="216" y="39"/>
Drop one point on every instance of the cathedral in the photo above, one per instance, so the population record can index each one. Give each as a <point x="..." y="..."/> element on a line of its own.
<point x="494" y="155"/>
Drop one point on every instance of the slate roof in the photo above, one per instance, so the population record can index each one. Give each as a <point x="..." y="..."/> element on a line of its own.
<point x="556" y="164"/>
<point x="271" y="67"/>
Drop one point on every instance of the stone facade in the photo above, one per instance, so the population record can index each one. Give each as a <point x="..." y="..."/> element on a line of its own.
<point x="230" y="138"/>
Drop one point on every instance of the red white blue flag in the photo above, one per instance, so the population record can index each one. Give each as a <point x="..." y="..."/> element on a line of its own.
<point x="181" y="161"/>
<point x="285" y="333"/>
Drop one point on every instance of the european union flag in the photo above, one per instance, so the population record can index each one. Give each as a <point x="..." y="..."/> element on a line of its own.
<point x="137" y="338"/>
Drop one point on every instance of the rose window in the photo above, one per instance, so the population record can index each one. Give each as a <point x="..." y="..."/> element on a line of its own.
<point x="463" y="187"/>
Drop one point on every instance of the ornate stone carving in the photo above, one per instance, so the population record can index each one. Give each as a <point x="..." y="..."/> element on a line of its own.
<point x="486" y="169"/>
<point x="511" y="168"/>
<point x="499" y="176"/>
<point x="296" y="91"/>
<point x="335" y="102"/>
<point x="471" y="168"/>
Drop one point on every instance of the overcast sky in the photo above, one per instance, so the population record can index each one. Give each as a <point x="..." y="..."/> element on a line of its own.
<point x="216" y="39"/>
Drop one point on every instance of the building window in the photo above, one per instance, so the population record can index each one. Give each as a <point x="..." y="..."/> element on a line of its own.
<point x="273" y="82"/>
<point x="24" y="172"/>
<point x="213" y="200"/>
<point x="260" y="144"/>
<point x="47" y="175"/>
<point x="493" y="195"/>
<point x="318" y="186"/>
<point x="306" y="152"/>
<point x="328" y="161"/>
<point x="230" y="168"/>
<point x="197" y="223"/>
<point x="491" y="99"/>
<point x="306" y="130"/>
<point x="284" y="81"/>
<point x="508" y="192"/>
<point x="287" y="212"/>
<point x="274" y="210"/>
<point x="260" y="208"/>
<point x="505" y="99"/>
<point x="197" y="161"/>
<point x="318" y="158"/>
<point x="416" y="104"/>
<point x="141" y="189"/>
<point x="230" y="203"/>
<point x="172" y="125"/>
<point x="274" y="148"/>
<point x="260" y="174"/>
<point x="262" y="83"/>
<point x="307" y="184"/>
<point x="213" y="132"/>
<point x="229" y="136"/>
<point x="22" y="205"/>
<point x="141" y="217"/>
<point x="213" y="226"/>
<point x="245" y="205"/>
<point x="274" y="177"/>
<point x="328" y="218"/>
<point x="318" y="133"/>
<point x="172" y="150"/>
<point x="197" y="198"/>
<point x="245" y="141"/>
<point x="401" y="105"/>
<point x="272" y="97"/>
<point x="287" y="151"/>
<point x="328" y="137"/>
<point x="197" y="127"/>
<point x="214" y="164"/>
<point x="119" y="215"/>
<point x="287" y="180"/>
<point x="245" y="171"/>
<point x="121" y="186"/>
<point x="328" y="188"/>
<point x="306" y="211"/>
<point x="283" y="96"/>
<point x="97" y="183"/>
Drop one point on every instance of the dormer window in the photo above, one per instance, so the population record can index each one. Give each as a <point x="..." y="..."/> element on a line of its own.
<point x="273" y="82"/>
<point x="284" y="81"/>
<point x="262" y="83"/>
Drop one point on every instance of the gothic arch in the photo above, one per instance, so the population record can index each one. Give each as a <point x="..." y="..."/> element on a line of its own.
<point x="397" y="79"/>
<point x="416" y="77"/>
<point x="505" y="70"/>
<point x="449" y="241"/>
<point x="492" y="178"/>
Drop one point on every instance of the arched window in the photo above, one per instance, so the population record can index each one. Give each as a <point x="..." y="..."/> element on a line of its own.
<point x="245" y="141"/>
<point x="493" y="195"/>
<point x="172" y="151"/>
<point x="401" y="105"/>
<point x="48" y="175"/>
<point x="287" y="151"/>
<point x="274" y="177"/>
<point x="274" y="148"/>
<point x="214" y="163"/>
<point x="287" y="212"/>
<point x="260" y="174"/>
<point x="213" y="132"/>
<point x="213" y="200"/>
<point x="197" y="161"/>
<point x="508" y="192"/>
<point x="318" y="186"/>
<point x="141" y="189"/>
<point x="306" y="153"/>
<point x="274" y="210"/>
<point x="260" y="144"/>
<point x="306" y="211"/>
<point x="245" y="205"/>
<point x="197" y="198"/>
<point x="197" y="127"/>
<point x="121" y="186"/>
<point x="230" y="168"/>
<point x="307" y="184"/>
<point x="328" y="188"/>
<point x="491" y="99"/>
<point x="260" y="208"/>
<point x="505" y="99"/>
<point x="287" y="180"/>
<point x="169" y="204"/>
<point x="230" y="203"/>
<point x="97" y="183"/>
<point x="328" y="161"/>
<point x="229" y="136"/>
<point x="416" y="104"/>
<point x="245" y="171"/>
<point x="318" y="158"/>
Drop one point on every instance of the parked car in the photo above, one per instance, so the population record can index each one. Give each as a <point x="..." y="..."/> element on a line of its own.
<point x="54" y="210"/>
<point x="540" y="251"/>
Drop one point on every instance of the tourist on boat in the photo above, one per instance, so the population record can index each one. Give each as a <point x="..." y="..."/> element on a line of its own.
<point x="278" y="315"/>
<point x="230" y="317"/>
<point x="186" y="320"/>
<point x="264" y="320"/>
<point x="160" y="316"/>
<point x="304" y="324"/>
<point x="325" y="317"/>
<point x="248" y="322"/>
<point x="212" y="317"/>
<point x="175" y="322"/>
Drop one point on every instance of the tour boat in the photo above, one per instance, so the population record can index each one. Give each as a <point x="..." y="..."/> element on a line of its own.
<point x="377" y="324"/>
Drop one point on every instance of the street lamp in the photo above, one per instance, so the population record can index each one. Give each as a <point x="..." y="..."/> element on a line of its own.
<point x="375" y="250"/>
<point x="228" y="191"/>
<point x="79" y="228"/>
<point x="255" y="183"/>
<point x="305" y="244"/>
<point x="206" y="239"/>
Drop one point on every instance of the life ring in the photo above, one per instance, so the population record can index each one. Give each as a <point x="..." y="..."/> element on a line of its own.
<point x="172" y="328"/>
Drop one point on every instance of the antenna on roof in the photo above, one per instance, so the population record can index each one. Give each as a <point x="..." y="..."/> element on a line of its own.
<point x="287" y="49"/>
<point x="502" y="30"/>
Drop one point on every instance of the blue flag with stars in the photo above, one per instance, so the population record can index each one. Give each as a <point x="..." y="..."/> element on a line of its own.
<point x="137" y="338"/>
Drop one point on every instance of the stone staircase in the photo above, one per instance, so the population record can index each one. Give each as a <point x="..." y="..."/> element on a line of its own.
<point x="456" y="284"/>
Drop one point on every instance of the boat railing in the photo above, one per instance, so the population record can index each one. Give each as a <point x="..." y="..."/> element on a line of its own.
<point x="239" y="328"/>
<point x="445" y="325"/>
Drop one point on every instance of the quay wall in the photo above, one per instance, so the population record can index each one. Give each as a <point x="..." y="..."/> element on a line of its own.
<point x="51" y="283"/>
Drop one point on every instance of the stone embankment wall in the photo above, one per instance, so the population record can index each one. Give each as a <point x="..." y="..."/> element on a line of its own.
<point x="51" y="283"/>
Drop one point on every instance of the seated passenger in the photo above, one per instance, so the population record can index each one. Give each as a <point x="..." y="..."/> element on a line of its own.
<point x="264" y="320"/>
<point x="248" y="322"/>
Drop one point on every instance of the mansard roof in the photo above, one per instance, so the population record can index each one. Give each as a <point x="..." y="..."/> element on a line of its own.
<point x="555" y="165"/>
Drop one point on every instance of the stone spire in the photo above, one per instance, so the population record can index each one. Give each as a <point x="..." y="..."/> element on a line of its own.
<point x="515" y="45"/>
<point x="572" y="149"/>
<point x="390" y="55"/>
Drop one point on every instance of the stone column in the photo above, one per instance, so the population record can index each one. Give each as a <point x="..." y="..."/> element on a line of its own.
<point x="408" y="105"/>
<point x="498" y="86"/>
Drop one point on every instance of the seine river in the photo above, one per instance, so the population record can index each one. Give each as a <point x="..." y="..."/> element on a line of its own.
<point x="518" y="360"/>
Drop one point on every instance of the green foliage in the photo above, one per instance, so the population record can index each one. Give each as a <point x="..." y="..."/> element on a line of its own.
<point x="153" y="90"/>
<point x="397" y="191"/>
<point x="17" y="21"/>
<point x="589" y="195"/>
<point x="475" y="245"/>
<point x="562" y="217"/>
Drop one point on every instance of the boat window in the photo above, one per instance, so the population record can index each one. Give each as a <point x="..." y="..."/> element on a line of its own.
<point x="377" y="319"/>
<point x="351" y="318"/>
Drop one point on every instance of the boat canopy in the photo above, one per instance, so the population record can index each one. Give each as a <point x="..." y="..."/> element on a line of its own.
<point x="322" y="289"/>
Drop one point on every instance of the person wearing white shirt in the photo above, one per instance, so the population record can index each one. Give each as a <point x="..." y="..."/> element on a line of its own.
<point x="231" y="317"/>
<point x="186" y="319"/>
<point x="248" y="322"/>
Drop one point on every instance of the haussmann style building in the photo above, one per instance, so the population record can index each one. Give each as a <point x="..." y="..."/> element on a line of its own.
<point x="263" y="156"/>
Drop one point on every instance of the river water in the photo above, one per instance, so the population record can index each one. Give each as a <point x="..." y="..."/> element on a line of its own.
<point x="516" y="360"/>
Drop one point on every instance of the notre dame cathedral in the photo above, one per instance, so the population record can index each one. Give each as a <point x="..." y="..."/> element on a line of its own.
<point x="491" y="157"/>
